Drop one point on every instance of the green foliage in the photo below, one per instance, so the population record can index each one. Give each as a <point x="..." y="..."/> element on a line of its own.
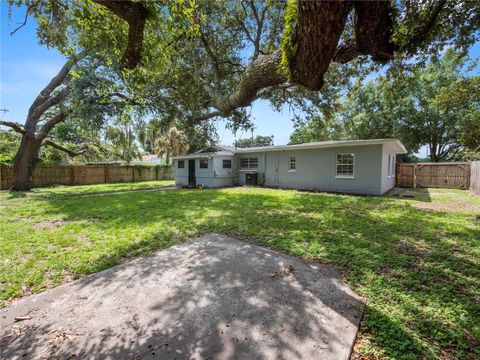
<point x="9" y="143"/>
<point x="288" y="45"/>
<point x="253" y="142"/>
<point x="318" y="128"/>
<point x="436" y="104"/>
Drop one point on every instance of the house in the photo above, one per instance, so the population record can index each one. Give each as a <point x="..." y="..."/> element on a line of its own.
<point x="355" y="166"/>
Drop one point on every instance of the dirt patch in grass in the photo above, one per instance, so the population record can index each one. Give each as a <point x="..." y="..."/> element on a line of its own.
<point x="49" y="224"/>
<point x="449" y="206"/>
<point x="58" y="277"/>
<point x="413" y="251"/>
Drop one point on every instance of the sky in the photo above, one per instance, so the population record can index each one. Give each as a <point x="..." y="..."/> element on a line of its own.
<point x="26" y="67"/>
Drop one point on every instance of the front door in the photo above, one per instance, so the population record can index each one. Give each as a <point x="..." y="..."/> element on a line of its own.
<point x="191" y="173"/>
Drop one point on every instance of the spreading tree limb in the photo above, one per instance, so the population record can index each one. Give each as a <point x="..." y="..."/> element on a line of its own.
<point x="70" y="152"/>
<point x="13" y="125"/>
<point x="135" y="14"/>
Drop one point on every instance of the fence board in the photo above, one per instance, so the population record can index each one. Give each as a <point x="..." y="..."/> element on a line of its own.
<point x="454" y="175"/>
<point x="475" y="177"/>
<point x="86" y="175"/>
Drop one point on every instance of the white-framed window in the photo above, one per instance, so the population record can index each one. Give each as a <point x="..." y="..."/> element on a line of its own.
<point x="227" y="164"/>
<point x="181" y="164"/>
<point x="249" y="163"/>
<point x="391" y="165"/>
<point x="292" y="163"/>
<point x="345" y="166"/>
<point x="203" y="163"/>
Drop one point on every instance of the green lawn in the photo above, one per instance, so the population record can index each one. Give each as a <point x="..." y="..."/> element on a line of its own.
<point x="416" y="267"/>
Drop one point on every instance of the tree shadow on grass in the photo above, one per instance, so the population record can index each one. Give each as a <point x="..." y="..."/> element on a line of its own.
<point x="216" y="298"/>
<point x="414" y="268"/>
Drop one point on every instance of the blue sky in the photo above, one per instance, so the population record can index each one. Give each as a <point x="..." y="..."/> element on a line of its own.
<point x="26" y="67"/>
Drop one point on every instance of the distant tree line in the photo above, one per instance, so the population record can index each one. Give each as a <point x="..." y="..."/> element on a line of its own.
<point x="436" y="104"/>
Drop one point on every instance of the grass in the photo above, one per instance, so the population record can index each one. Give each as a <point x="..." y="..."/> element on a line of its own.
<point x="95" y="189"/>
<point x="417" y="269"/>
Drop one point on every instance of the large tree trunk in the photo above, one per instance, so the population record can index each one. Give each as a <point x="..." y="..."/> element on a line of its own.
<point x="26" y="159"/>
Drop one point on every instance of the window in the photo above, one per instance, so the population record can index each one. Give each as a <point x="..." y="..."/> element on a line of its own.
<point x="181" y="164"/>
<point x="203" y="163"/>
<point x="249" y="163"/>
<point x="292" y="163"/>
<point x="391" y="165"/>
<point x="227" y="164"/>
<point x="344" y="165"/>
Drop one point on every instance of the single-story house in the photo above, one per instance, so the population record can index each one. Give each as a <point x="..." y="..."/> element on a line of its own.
<point x="354" y="166"/>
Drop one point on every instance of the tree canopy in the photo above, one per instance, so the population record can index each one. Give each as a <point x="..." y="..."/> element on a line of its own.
<point x="197" y="60"/>
<point x="258" y="140"/>
<point x="186" y="62"/>
<point x="437" y="105"/>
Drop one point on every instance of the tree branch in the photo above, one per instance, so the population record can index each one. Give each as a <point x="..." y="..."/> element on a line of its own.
<point x="203" y="117"/>
<point x="213" y="61"/>
<point x="26" y="18"/>
<point x="71" y="153"/>
<point x="38" y="106"/>
<point x="420" y="35"/>
<point x="54" y="100"/>
<point x="135" y="14"/>
<point x="13" y="125"/>
<point x="44" y="131"/>
<point x="261" y="73"/>
<point x="373" y="30"/>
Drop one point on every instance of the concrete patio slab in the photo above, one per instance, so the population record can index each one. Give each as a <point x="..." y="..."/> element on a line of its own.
<point x="212" y="298"/>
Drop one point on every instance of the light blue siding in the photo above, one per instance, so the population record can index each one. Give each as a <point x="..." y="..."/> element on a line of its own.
<point x="316" y="170"/>
<point x="261" y="157"/>
<point x="214" y="176"/>
<point x="181" y="175"/>
<point x="388" y="180"/>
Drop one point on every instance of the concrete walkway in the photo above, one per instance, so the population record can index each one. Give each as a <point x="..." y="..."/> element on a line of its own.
<point x="211" y="298"/>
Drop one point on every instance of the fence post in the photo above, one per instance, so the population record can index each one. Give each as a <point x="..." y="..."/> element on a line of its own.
<point x="397" y="173"/>
<point x="106" y="174"/>
<point x="72" y="174"/>
<point x="414" y="175"/>
<point x="133" y="174"/>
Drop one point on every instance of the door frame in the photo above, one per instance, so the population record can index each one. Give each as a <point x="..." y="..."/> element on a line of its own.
<point x="192" y="180"/>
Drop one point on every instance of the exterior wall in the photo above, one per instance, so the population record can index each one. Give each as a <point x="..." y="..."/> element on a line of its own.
<point x="181" y="175"/>
<point x="316" y="170"/>
<point x="388" y="182"/>
<point x="204" y="176"/>
<point x="214" y="176"/>
<point x="223" y="177"/>
<point x="261" y="156"/>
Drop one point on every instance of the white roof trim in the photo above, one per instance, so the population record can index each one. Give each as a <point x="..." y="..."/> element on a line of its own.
<point x="393" y="144"/>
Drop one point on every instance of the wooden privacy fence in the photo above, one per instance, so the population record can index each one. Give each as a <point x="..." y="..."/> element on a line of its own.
<point x="87" y="175"/>
<point x="454" y="175"/>
<point x="475" y="177"/>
